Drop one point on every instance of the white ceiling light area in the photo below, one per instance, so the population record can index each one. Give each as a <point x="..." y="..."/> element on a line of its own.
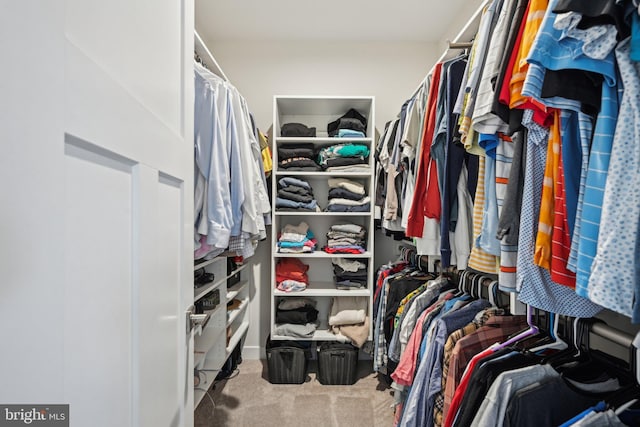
<point x="328" y="20"/>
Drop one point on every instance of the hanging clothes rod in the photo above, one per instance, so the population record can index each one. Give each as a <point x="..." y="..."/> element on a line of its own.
<point x="205" y="54"/>
<point x="614" y="335"/>
<point x="461" y="45"/>
<point x="466" y="33"/>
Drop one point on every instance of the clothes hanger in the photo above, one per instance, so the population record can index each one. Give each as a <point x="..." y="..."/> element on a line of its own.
<point x="493" y="286"/>
<point x="532" y="330"/>
<point x="557" y="343"/>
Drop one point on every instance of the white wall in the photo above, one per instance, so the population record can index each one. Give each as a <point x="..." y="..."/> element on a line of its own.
<point x="389" y="71"/>
<point x="260" y="70"/>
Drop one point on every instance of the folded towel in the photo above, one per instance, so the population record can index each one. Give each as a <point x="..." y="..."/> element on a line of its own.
<point x="358" y="334"/>
<point x="347" y="184"/>
<point x="348" y="310"/>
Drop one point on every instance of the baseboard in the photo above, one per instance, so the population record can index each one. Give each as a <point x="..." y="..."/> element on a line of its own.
<point x="253" y="352"/>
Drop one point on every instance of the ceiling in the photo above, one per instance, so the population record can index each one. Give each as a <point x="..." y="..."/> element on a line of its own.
<point x="328" y="20"/>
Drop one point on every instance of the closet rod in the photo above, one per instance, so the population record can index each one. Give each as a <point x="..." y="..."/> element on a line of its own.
<point x="612" y="334"/>
<point x="204" y="52"/>
<point x="466" y="33"/>
<point x="463" y="45"/>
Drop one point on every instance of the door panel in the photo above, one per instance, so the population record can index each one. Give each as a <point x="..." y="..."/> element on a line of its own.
<point x="136" y="44"/>
<point x="158" y="358"/>
<point x="98" y="284"/>
<point x="95" y="230"/>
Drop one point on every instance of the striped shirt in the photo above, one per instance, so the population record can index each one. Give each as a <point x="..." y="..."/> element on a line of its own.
<point x="508" y="245"/>
<point x="561" y="242"/>
<point x="479" y="259"/>
<point x="542" y="254"/>
<point x="588" y="223"/>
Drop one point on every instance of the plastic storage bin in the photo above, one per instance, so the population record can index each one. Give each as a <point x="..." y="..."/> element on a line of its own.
<point x="286" y="362"/>
<point x="337" y="364"/>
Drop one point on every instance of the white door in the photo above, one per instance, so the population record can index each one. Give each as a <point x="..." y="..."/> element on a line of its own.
<point x="96" y="169"/>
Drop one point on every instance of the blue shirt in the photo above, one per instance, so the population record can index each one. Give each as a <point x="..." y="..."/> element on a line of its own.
<point x="554" y="51"/>
<point x="615" y="274"/>
<point x="487" y="240"/>
<point x="215" y="135"/>
<point x="589" y="221"/>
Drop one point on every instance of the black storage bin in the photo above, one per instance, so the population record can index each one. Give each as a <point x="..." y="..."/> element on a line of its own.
<point x="337" y="363"/>
<point x="286" y="362"/>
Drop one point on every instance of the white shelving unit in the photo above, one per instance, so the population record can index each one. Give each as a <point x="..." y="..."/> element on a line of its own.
<point x="226" y="328"/>
<point x="318" y="111"/>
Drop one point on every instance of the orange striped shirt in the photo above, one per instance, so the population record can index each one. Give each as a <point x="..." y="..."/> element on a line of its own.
<point x="542" y="254"/>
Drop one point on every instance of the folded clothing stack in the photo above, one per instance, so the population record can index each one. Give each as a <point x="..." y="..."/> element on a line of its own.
<point x="349" y="273"/>
<point x="296" y="317"/>
<point x="295" y="195"/>
<point x="291" y="275"/>
<point x="297" y="130"/>
<point x="352" y="121"/>
<point x="297" y="157"/>
<point x="296" y="239"/>
<point x="346" y="239"/>
<point x="348" y="318"/>
<point x="344" y="157"/>
<point x="347" y="196"/>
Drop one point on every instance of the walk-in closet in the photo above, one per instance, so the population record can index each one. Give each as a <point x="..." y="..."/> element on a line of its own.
<point x="239" y="214"/>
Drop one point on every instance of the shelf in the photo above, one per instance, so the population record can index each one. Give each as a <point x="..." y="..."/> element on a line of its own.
<point x="321" y="140"/>
<point x="303" y="213"/>
<point x="321" y="289"/>
<point x="319" y="335"/>
<point x="234" y="290"/>
<point x="236" y="337"/>
<point x="204" y="263"/>
<point x="203" y="344"/>
<point x="363" y="174"/>
<point x="318" y="112"/>
<point x="233" y="314"/>
<point x="200" y="292"/>
<point x="321" y="254"/>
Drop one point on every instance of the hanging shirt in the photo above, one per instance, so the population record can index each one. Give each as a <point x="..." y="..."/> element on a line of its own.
<point x="542" y="254"/>
<point x="484" y="120"/>
<point x="494" y="407"/>
<point x="426" y="175"/>
<point x="589" y="220"/>
<point x="576" y="176"/>
<point x="418" y="409"/>
<point x="509" y="220"/>
<point x="535" y="13"/>
<point x="535" y="285"/>
<point x="615" y="274"/>
<point x="454" y="161"/>
<point x="479" y="259"/>
<point x="482" y="318"/>
<point x="480" y="49"/>
<point x="560" y="239"/>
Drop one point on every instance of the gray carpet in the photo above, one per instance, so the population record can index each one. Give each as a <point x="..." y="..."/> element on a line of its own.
<point x="249" y="400"/>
